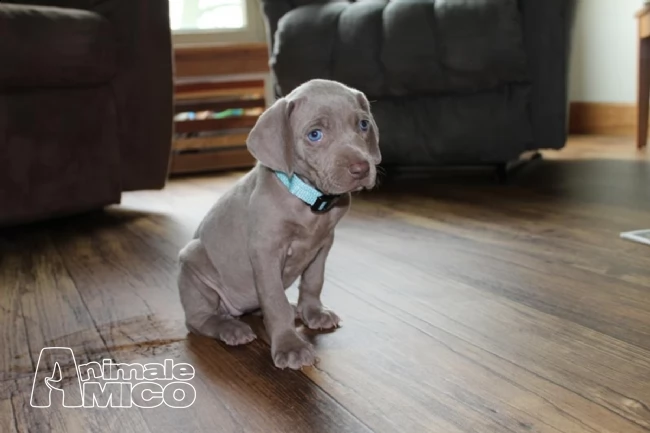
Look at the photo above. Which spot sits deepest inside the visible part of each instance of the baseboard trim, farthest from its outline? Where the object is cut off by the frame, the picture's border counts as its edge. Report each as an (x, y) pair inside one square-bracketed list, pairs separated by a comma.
[(602, 118)]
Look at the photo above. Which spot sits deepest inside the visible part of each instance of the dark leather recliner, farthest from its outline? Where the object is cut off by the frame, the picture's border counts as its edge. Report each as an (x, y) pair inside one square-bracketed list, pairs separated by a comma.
[(451, 81), (85, 103)]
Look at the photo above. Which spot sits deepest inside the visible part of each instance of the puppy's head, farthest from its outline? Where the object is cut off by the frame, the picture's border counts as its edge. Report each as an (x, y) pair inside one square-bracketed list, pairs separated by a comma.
[(324, 132)]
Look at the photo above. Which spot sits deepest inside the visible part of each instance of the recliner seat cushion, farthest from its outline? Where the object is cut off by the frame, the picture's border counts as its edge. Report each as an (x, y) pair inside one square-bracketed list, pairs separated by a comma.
[(49, 46), (402, 47)]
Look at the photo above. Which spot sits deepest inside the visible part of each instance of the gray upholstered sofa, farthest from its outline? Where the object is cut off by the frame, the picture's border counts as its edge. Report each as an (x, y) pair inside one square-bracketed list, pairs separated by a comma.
[(452, 81)]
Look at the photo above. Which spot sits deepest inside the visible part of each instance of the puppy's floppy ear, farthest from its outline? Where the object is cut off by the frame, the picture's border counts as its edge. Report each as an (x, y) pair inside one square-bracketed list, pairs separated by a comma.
[(373, 134), (271, 139)]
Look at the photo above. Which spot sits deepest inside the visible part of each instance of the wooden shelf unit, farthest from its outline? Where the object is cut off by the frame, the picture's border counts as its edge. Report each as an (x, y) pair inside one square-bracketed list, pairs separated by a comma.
[(212, 80)]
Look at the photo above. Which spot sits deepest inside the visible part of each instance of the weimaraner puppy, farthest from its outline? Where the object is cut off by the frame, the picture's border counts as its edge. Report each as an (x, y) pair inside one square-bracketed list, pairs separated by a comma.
[(313, 147)]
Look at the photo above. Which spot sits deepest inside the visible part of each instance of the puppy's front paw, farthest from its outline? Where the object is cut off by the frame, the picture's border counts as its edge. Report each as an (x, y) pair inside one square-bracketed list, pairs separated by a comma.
[(319, 318), (292, 351)]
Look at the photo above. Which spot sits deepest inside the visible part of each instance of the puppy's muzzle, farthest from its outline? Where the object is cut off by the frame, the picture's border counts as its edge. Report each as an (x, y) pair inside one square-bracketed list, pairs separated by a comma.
[(359, 170)]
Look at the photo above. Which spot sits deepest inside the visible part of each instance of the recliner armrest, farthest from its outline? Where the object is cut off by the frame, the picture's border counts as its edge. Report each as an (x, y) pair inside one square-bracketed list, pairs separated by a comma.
[(273, 10), (143, 85), (143, 88), (547, 36)]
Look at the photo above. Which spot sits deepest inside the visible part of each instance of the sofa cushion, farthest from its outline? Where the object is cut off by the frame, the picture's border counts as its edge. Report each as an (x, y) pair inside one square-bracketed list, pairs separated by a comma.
[(402, 47), (49, 46), (68, 163)]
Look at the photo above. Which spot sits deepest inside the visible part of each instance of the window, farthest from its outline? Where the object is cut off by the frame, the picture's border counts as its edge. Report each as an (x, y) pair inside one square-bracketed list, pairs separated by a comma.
[(215, 21), (207, 14)]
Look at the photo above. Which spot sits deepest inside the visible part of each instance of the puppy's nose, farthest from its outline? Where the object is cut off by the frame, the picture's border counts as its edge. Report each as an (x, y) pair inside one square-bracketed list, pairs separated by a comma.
[(359, 170)]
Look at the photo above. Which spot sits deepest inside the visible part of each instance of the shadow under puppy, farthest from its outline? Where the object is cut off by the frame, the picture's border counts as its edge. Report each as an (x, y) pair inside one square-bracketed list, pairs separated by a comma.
[(314, 147)]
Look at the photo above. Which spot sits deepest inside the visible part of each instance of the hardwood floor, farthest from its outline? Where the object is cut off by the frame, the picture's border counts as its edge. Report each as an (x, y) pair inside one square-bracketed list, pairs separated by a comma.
[(467, 306)]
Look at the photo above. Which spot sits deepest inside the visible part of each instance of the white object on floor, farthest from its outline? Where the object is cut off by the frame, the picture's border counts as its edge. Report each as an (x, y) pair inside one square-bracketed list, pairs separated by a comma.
[(641, 236)]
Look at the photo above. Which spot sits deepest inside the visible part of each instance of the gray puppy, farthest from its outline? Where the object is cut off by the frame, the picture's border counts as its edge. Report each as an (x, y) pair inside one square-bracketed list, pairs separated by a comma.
[(276, 224)]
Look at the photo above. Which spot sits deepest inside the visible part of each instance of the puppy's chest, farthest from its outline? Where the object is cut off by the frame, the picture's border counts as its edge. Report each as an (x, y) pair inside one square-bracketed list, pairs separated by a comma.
[(302, 247)]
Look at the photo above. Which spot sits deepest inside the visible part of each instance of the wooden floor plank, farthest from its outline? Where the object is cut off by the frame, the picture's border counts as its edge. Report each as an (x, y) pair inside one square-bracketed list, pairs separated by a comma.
[(499, 215), (12, 413), (535, 270), (56, 316), (488, 322), (15, 359), (447, 384)]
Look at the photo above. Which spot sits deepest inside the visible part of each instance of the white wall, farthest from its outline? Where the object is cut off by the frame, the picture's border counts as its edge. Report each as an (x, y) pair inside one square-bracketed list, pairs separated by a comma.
[(604, 57)]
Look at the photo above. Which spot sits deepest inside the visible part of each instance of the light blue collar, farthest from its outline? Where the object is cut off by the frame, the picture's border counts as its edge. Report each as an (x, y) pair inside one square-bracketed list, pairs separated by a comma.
[(318, 201)]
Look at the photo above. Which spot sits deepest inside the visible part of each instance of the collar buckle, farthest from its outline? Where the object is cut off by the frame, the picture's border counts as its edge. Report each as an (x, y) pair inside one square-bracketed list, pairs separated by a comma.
[(324, 203)]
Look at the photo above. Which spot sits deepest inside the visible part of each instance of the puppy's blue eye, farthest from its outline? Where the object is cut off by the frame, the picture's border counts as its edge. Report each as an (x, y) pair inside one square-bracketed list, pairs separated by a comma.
[(364, 125), (315, 135)]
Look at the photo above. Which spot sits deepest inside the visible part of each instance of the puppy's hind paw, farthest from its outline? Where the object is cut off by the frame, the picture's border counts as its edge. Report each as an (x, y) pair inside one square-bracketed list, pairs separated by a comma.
[(319, 318), (234, 333)]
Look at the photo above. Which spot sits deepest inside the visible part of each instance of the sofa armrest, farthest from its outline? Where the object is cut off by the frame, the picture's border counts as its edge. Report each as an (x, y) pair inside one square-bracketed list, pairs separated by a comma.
[(143, 88), (547, 34), (273, 10)]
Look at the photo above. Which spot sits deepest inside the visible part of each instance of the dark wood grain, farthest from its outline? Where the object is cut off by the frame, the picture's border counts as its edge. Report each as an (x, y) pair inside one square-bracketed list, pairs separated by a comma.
[(226, 59), (218, 159), (54, 314), (186, 126), (207, 85), (218, 105), (467, 306)]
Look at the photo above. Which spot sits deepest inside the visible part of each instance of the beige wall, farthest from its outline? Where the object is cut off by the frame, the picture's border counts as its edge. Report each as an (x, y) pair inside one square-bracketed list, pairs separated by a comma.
[(604, 57)]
